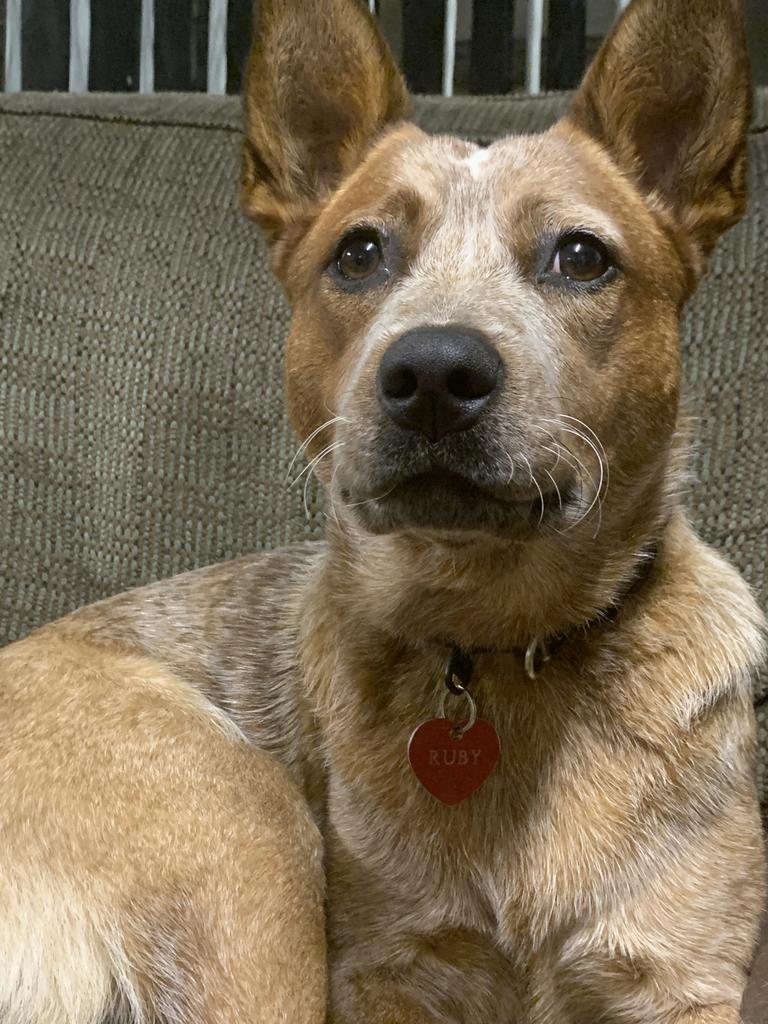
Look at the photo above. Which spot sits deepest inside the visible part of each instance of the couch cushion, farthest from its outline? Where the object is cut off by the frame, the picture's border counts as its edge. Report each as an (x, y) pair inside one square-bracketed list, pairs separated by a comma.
[(142, 429)]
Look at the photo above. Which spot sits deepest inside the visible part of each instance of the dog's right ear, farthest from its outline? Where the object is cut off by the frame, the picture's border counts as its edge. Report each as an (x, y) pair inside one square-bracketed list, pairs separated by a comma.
[(321, 86)]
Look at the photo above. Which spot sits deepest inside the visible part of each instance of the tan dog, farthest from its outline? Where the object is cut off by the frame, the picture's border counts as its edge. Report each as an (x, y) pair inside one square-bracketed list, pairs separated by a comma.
[(203, 779)]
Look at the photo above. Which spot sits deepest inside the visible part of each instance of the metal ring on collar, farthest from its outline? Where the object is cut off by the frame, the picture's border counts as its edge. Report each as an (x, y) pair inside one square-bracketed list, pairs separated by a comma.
[(536, 656), (466, 724)]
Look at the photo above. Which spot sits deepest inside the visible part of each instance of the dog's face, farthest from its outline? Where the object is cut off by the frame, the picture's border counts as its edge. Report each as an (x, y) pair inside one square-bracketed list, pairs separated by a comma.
[(476, 312), (480, 334)]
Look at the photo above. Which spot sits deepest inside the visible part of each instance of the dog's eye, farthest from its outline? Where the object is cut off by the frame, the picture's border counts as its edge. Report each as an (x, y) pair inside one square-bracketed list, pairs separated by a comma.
[(359, 256), (581, 258)]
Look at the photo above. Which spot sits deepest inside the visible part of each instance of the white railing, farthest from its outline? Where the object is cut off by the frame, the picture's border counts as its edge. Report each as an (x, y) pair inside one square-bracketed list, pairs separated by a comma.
[(449, 45), (147, 47), (217, 46), (80, 30), (79, 44), (533, 50), (13, 45)]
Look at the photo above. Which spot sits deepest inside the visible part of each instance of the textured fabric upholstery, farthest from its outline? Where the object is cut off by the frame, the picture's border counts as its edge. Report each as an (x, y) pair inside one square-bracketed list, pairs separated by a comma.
[(142, 429)]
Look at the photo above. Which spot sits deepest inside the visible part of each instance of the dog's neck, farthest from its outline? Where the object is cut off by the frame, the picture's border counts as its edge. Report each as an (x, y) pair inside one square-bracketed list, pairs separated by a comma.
[(481, 593)]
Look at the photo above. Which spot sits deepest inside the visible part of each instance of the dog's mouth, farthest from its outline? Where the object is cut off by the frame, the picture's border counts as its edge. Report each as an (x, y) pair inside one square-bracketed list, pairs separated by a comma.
[(445, 500)]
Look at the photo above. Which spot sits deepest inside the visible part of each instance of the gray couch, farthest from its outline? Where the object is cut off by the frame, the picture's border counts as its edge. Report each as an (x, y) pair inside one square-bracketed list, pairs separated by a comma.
[(142, 429)]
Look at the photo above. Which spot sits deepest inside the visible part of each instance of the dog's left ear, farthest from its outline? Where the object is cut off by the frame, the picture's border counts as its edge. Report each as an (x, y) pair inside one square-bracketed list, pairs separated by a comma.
[(669, 96), (321, 86)]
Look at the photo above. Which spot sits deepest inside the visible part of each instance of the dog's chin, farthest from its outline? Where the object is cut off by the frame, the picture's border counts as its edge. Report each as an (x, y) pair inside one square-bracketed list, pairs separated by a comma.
[(450, 504)]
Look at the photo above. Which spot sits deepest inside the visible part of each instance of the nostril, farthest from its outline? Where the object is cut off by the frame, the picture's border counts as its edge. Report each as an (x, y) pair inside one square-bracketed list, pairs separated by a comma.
[(437, 380), (400, 382), (467, 383)]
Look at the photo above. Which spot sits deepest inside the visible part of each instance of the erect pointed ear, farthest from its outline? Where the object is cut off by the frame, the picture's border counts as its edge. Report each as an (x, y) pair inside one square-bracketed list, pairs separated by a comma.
[(321, 86), (669, 96)]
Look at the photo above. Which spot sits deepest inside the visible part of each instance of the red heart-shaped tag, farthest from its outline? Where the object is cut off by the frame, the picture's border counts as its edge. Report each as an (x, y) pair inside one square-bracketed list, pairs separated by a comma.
[(452, 768)]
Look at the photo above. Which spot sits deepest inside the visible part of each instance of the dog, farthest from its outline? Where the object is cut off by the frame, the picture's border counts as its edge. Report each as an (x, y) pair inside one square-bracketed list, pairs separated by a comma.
[(486, 753)]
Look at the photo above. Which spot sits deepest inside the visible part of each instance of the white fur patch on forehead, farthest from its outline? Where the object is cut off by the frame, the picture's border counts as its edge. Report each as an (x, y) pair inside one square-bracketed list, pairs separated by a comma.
[(510, 153), (439, 166), (538, 172), (477, 160), (429, 157)]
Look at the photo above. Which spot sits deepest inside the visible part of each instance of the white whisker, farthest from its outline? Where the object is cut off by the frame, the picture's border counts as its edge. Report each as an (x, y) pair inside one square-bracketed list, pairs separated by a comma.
[(330, 496), (563, 453), (597, 441), (368, 501), (314, 462), (598, 450), (557, 489), (312, 465), (579, 466), (308, 440), (535, 482), (553, 451), (597, 498)]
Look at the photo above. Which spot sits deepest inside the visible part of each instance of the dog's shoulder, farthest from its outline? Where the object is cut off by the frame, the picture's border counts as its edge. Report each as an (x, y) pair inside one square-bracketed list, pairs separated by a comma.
[(706, 600), (694, 645), (230, 630), (252, 591)]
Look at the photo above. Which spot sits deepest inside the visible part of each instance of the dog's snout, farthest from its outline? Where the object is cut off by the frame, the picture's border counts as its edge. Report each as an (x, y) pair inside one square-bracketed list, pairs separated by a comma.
[(438, 380)]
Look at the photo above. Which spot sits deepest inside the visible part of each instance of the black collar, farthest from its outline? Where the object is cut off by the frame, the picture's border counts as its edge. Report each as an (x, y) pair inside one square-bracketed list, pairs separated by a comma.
[(460, 664)]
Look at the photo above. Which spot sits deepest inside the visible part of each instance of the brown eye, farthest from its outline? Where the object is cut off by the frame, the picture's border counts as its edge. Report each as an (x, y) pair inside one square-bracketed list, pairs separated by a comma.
[(581, 259), (359, 256)]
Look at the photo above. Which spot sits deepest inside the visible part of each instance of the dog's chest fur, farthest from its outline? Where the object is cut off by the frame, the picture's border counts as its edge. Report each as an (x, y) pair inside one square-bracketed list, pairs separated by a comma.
[(606, 759)]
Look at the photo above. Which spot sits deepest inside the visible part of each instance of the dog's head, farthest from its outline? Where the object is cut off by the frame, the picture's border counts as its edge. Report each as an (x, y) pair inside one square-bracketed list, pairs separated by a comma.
[(480, 334)]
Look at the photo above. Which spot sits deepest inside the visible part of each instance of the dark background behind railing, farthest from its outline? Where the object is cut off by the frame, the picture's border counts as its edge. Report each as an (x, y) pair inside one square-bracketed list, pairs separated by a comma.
[(491, 61)]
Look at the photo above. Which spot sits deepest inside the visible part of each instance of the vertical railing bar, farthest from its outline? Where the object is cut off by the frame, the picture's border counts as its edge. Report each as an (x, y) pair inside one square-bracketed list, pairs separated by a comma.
[(217, 47), (147, 47), (449, 45), (535, 39), (623, 3), (79, 44), (13, 46), (372, 6)]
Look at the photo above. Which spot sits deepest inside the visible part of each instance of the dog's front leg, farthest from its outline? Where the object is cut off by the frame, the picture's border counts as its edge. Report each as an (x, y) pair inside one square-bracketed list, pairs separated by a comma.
[(636, 986), (453, 976), (375, 999), (710, 1015), (559, 1001)]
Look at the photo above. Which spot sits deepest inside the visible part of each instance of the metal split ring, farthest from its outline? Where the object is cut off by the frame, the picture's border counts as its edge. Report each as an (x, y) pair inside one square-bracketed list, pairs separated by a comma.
[(465, 724), (458, 671), (536, 657)]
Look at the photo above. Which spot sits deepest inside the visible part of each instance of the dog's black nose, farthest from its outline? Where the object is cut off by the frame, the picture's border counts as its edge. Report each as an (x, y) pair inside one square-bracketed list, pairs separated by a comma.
[(438, 379)]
